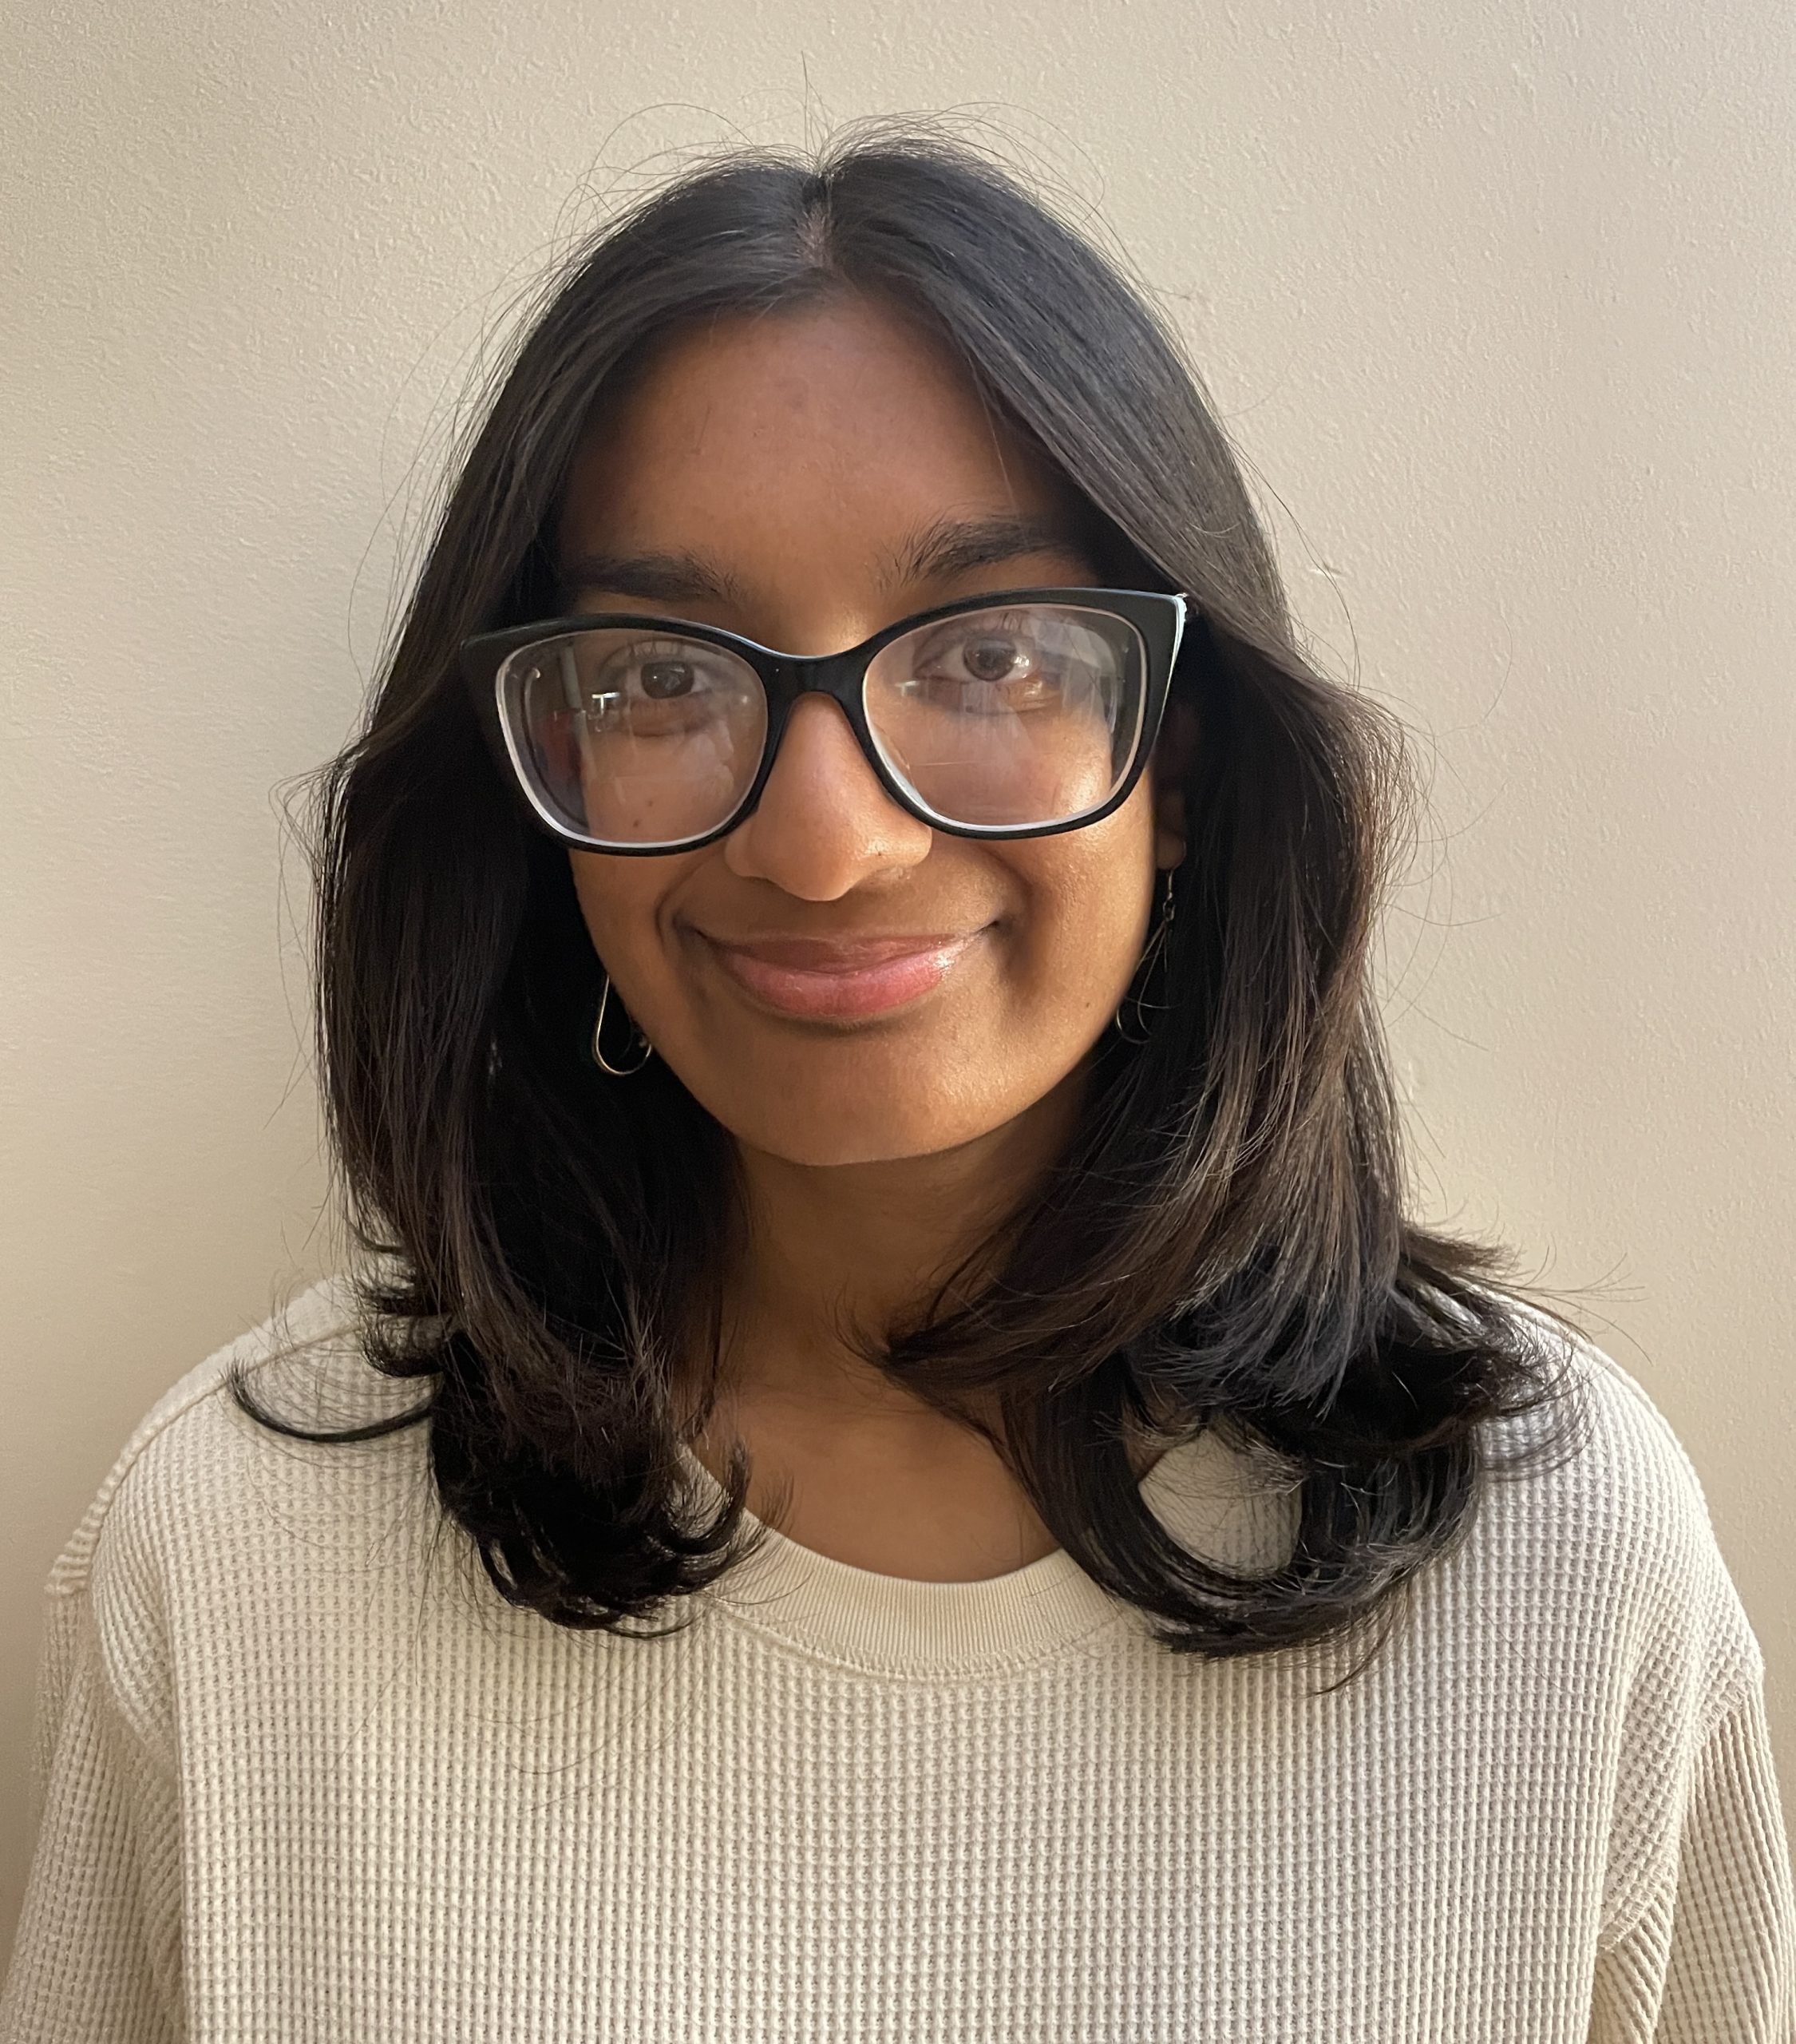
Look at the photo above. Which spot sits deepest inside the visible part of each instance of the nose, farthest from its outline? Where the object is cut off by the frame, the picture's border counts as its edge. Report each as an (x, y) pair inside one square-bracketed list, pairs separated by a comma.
[(824, 823)]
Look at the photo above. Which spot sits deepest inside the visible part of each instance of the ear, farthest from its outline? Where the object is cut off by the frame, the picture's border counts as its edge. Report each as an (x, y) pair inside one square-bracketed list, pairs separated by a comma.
[(1175, 751)]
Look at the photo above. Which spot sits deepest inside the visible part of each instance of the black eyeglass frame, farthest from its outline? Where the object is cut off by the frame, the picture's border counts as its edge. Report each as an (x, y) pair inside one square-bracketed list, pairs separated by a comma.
[(1158, 617)]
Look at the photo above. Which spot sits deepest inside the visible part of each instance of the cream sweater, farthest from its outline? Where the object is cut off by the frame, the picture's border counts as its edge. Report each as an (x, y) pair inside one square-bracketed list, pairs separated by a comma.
[(306, 1777)]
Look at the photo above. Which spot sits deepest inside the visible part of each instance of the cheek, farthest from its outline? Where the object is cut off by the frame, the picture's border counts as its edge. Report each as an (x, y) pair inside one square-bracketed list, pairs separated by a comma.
[(619, 904), (1088, 898)]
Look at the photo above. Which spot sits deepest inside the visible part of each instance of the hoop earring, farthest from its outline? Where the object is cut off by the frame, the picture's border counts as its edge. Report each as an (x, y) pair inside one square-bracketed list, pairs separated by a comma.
[(636, 1036), (1153, 953)]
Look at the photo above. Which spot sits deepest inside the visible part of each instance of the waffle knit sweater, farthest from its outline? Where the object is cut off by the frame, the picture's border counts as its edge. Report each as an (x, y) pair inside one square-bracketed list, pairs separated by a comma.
[(305, 1775)]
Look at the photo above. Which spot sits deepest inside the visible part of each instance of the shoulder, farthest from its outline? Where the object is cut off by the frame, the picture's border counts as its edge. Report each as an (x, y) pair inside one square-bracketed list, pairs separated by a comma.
[(1604, 1519), (196, 1459)]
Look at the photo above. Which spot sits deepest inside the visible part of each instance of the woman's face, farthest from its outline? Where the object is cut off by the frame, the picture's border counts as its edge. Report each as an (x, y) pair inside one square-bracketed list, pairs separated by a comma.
[(780, 470)]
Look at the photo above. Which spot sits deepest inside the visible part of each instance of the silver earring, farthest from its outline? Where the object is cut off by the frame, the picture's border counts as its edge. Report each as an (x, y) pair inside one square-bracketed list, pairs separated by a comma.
[(1154, 951), (636, 1036)]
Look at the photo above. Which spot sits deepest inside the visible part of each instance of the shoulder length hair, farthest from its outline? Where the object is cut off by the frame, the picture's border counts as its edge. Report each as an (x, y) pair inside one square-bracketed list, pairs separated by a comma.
[(1223, 1244)]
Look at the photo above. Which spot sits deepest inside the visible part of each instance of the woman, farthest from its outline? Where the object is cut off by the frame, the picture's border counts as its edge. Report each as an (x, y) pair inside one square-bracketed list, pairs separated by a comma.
[(844, 996)]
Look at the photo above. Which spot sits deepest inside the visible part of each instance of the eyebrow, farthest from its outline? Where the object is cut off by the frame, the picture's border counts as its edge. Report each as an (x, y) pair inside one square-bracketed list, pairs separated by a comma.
[(945, 547), (951, 546), (668, 578)]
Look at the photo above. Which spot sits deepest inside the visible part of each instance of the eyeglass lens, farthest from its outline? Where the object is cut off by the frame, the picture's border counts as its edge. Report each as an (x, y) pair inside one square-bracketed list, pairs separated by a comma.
[(1019, 715)]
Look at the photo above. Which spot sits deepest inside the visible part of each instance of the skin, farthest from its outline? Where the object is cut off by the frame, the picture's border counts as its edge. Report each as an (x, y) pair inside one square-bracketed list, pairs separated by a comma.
[(795, 455)]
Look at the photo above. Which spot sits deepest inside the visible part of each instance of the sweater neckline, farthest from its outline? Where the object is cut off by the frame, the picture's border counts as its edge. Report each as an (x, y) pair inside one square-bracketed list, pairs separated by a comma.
[(902, 1626)]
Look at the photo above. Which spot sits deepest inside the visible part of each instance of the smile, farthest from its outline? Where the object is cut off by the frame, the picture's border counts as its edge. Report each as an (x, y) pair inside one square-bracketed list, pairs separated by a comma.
[(813, 977)]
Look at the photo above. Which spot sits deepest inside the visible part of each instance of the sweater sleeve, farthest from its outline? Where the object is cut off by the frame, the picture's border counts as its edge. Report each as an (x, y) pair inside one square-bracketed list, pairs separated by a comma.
[(1712, 1951), (98, 1956)]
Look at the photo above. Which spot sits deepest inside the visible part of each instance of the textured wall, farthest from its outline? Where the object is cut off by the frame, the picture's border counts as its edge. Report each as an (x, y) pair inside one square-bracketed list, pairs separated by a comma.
[(1499, 301)]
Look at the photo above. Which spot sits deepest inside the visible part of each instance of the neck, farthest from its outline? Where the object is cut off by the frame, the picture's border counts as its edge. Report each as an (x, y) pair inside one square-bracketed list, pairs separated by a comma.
[(827, 1250), (845, 1461)]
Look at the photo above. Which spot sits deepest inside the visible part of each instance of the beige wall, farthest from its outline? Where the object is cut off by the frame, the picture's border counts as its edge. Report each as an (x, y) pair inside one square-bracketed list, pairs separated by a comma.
[(1499, 301)]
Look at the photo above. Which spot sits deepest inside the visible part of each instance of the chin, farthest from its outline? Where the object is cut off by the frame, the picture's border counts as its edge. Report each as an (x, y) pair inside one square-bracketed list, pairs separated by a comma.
[(806, 1134), (818, 1110)]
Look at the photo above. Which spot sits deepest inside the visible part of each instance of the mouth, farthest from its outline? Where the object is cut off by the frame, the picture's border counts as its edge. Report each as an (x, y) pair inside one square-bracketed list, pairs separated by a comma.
[(816, 977)]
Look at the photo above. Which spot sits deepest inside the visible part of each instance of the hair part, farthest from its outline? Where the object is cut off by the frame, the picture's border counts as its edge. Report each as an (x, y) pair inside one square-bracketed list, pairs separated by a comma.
[(1225, 1243)]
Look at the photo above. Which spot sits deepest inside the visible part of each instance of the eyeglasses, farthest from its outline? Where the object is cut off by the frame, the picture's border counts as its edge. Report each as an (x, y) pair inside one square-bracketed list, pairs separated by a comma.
[(1016, 713)]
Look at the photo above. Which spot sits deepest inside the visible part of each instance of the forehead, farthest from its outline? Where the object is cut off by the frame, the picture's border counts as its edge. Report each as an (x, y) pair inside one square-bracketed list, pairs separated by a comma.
[(811, 440)]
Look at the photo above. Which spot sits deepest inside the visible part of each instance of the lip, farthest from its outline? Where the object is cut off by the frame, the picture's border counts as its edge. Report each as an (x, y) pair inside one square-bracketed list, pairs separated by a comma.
[(819, 976)]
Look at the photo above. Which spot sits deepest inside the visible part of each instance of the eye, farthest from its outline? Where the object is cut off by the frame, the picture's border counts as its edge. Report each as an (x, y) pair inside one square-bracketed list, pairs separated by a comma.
[(990, 656), (657, 670), (1003, 661), (660, 685), (660, 679)]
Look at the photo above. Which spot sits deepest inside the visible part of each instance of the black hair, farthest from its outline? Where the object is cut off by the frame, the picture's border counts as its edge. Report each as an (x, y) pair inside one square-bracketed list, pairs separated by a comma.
[(1225, 1241)]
